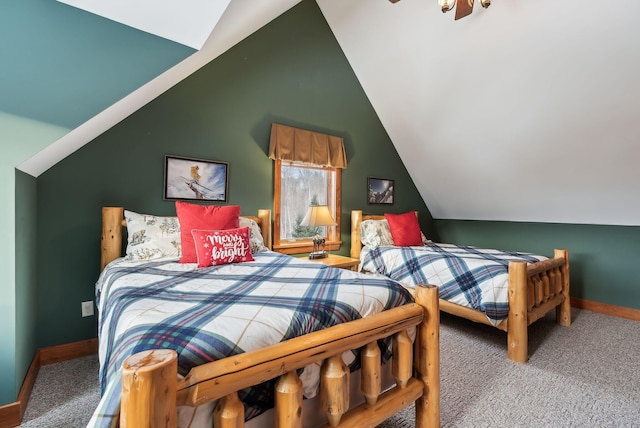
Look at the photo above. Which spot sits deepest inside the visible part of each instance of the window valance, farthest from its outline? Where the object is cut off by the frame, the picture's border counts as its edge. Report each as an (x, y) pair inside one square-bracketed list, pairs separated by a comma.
[(302, 145)]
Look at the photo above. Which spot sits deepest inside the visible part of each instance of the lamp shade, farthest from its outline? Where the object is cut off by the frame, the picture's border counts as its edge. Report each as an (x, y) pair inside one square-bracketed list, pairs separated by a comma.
[(318, 215)]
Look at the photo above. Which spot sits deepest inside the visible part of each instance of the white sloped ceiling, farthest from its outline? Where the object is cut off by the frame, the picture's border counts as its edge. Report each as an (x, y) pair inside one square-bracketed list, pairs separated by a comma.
[(525, 111)]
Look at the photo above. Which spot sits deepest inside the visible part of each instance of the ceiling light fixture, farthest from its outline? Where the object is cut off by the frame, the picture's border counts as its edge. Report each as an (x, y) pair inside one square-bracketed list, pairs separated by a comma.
[(464, 7)]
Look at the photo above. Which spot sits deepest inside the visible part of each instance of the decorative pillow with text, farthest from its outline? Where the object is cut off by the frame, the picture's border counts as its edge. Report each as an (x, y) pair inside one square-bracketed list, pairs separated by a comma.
[(217, 247), (203, 217)]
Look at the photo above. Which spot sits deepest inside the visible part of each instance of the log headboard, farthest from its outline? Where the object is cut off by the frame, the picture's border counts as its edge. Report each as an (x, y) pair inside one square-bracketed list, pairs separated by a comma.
[(113, 223)]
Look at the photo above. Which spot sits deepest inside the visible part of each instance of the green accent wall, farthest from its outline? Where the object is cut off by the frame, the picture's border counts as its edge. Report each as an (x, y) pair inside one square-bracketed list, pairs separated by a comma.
[(26, 273), (291, 71), (603, 258), (20, 138), (60, 67), (8, 390)]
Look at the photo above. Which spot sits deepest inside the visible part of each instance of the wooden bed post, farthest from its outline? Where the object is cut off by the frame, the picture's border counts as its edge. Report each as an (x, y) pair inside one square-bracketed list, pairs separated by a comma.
[(427, 357), (265, 227), (149, 389), (517, 338), (356, 245), (111, 245), (563, 311)]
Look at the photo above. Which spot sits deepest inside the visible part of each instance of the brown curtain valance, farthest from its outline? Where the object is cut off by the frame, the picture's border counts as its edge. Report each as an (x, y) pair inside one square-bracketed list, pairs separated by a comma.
[(302, 145)]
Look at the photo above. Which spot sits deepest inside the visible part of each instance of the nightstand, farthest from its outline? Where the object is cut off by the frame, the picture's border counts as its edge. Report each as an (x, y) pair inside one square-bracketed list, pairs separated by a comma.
[(337, 261)]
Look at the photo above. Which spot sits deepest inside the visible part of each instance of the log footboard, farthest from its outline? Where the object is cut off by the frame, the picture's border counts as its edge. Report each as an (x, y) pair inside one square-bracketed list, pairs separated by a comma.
[(534, 290), (152, 391)]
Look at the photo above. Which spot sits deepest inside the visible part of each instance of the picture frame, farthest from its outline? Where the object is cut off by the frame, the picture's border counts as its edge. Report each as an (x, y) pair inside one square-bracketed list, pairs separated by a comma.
[(195, 179), (380, 191)]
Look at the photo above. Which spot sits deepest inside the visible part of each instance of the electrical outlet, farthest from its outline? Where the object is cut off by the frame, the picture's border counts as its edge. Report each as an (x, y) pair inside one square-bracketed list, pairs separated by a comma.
[(87, 308)]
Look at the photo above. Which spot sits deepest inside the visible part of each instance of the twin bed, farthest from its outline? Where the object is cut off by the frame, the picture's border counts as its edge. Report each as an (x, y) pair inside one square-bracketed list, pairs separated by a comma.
[(188, 346), (507, 290)]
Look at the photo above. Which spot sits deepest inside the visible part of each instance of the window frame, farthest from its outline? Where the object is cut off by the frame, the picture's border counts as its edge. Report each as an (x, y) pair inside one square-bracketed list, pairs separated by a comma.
[(332, 240)]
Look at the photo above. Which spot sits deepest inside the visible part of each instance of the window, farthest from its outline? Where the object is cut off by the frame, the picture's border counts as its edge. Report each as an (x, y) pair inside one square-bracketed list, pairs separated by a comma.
[(298, 185), (307, 171)]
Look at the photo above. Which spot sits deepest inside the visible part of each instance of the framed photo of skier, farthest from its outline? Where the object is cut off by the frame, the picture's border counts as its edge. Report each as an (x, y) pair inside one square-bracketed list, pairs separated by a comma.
[(195, 179)]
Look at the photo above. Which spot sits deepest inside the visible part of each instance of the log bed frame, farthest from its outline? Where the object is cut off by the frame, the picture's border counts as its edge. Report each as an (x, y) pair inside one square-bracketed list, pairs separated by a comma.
[(152, 390), (534, 289)]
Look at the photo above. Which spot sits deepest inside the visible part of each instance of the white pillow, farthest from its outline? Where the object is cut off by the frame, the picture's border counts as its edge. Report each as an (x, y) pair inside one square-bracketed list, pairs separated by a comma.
[(255, 235), (376, 233), (151, 237)]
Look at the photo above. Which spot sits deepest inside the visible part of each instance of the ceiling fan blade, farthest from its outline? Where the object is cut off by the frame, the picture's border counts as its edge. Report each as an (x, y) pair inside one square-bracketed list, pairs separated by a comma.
[(463, 8)]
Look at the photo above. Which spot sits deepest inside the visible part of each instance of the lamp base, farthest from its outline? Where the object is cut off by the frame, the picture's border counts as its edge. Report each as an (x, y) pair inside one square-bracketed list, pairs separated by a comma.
[(318, 255)]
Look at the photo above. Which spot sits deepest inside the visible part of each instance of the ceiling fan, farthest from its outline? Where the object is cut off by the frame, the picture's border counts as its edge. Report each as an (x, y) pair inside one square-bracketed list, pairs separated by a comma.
[(464, 7)]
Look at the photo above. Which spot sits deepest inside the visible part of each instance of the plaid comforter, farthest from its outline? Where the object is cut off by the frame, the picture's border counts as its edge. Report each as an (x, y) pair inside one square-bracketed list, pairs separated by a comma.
[(211, 313), (469, 276)]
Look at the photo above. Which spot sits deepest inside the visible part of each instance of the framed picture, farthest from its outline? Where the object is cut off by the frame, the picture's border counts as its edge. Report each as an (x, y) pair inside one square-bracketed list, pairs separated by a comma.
[(379, 191), (195, 179)]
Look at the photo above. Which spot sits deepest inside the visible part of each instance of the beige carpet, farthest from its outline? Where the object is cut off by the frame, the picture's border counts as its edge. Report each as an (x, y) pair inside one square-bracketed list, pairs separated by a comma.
[(586, 375)]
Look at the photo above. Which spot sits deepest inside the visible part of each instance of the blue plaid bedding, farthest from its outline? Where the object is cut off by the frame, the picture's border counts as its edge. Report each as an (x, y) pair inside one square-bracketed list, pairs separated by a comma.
[(468, 276), (211, 313)]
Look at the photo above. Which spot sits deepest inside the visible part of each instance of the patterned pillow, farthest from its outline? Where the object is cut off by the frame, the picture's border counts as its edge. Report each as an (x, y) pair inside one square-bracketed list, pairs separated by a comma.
[(151, 237), (376, 233), (255, 235), (217, 247)]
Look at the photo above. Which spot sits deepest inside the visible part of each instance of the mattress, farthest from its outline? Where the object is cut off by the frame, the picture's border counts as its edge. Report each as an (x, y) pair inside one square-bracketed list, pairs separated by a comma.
[(468, 276)]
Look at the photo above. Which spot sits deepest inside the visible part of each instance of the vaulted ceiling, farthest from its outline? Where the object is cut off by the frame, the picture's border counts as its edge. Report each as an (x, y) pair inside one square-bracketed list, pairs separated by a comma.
[(525, 111)]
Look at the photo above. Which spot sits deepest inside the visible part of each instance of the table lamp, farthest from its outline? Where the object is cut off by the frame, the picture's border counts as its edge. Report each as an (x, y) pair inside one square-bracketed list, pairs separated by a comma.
[(318, 216)]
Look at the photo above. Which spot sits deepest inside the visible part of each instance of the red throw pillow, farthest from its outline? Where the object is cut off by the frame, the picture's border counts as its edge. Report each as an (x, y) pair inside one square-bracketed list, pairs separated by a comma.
[(217, 247), (205, 217), (405, 229)]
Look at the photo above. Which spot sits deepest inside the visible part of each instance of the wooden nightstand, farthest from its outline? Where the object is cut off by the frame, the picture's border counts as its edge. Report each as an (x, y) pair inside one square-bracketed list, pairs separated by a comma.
[(337, 261)]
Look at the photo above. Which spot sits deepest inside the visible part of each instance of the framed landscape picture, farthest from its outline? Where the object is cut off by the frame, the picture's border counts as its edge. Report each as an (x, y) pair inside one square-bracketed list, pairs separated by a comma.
[(195, 179), (379, 191)]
